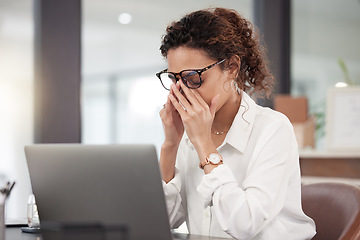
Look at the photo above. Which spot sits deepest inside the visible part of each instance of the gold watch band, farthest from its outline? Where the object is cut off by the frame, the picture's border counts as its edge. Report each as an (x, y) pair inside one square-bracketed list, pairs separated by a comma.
[(208, 162)]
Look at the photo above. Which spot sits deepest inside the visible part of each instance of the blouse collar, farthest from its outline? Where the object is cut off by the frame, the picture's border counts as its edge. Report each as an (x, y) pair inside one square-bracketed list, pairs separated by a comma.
[(240, 130)]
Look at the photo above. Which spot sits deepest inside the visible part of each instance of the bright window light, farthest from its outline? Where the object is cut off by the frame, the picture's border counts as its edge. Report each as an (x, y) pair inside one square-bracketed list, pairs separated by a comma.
[(341, 84), (124, 18), (146, 97)]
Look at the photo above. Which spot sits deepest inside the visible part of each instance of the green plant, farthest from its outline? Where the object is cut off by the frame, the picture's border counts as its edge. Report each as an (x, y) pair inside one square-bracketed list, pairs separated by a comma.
[(319, 112), (345, 71)]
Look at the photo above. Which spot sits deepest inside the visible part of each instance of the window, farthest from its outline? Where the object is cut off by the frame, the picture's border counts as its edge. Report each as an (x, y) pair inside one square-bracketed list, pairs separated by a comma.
[(16, 97), (323, 32), (121, 94)]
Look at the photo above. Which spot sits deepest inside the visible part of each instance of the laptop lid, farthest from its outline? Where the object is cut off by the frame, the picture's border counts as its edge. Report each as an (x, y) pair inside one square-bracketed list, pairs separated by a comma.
[(111, 186)]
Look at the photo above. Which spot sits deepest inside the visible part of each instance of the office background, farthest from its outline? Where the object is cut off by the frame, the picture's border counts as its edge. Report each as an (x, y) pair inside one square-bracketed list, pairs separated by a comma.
[(119, 94)]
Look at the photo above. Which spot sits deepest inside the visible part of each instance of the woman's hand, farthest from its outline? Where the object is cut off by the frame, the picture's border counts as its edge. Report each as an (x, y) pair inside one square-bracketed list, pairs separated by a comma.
[(197, 117), (172, 124)]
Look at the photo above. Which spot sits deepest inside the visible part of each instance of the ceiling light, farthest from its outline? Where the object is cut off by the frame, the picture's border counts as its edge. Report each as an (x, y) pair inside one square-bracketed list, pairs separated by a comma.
[(124, 18), (341, 84)]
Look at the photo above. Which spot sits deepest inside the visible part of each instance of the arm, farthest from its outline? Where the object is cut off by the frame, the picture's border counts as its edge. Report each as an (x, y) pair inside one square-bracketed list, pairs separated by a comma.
[(243, 210), (197, 118), (173, 129), (167, 161), (174, 194)]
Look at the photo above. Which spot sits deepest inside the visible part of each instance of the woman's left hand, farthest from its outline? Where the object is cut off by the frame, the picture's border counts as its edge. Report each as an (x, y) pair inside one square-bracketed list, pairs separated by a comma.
[(197, 116)]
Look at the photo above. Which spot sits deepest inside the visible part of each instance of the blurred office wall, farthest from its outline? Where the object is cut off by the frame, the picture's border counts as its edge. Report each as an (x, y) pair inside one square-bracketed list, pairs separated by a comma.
[(16, 97), (125, 58), (121, 94), (322, 33)]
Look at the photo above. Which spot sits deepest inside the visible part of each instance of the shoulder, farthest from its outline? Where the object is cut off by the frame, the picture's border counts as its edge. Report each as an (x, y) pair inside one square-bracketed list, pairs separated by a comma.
[(271, 118), (263, 116), (271, 125), (274, 134), (263, 120)]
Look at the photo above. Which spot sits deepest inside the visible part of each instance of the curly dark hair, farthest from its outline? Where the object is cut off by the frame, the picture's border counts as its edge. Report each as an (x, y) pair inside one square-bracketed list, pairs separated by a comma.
[(222, 34)]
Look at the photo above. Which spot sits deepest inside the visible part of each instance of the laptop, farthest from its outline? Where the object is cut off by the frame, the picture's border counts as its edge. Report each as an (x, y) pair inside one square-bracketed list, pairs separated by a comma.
[(98, 191)]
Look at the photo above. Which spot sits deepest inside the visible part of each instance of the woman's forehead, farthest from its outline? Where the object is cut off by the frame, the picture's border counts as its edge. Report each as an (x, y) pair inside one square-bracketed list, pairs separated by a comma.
[(182, 58)]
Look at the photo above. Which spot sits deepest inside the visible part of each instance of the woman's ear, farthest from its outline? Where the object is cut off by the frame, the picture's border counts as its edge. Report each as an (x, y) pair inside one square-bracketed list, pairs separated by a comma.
[(234, 66)]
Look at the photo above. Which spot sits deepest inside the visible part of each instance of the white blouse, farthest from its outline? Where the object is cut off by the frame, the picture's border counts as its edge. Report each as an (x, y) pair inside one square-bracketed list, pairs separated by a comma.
[(255, 194)]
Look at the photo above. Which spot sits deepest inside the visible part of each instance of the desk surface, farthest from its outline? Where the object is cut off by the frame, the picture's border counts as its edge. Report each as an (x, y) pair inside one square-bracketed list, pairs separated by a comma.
[(331, 166), (14, 233), (311, 153)]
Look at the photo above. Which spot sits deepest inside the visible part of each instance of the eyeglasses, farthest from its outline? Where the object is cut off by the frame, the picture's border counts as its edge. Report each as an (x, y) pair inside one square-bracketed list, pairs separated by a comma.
[(191, 78)]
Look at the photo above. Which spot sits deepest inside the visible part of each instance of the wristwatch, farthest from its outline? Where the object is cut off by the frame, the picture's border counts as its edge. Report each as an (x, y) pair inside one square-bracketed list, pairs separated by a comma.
[(213, 159)]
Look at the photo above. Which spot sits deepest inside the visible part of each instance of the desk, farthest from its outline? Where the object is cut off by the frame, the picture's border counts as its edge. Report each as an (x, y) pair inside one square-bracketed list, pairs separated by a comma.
[(14, 233), (331, 166)]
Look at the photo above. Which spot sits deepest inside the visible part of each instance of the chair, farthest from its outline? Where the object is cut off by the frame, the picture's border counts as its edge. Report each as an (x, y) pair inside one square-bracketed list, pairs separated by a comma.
[(335, 208)]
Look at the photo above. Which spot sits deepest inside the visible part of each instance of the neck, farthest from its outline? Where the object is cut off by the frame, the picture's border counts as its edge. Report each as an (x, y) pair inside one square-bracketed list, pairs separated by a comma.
[(224, 117)]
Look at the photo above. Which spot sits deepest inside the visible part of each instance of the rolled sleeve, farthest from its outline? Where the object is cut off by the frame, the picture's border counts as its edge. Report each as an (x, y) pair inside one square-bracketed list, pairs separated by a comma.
[(210, 182), (173, 200), (174, 185)]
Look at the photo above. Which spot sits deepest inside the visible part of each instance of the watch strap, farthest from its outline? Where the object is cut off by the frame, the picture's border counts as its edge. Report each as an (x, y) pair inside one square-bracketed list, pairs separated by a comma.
[(208, 162)]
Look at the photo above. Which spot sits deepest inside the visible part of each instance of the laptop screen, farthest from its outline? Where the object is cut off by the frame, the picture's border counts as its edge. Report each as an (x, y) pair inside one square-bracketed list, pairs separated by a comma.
[(109, 187)]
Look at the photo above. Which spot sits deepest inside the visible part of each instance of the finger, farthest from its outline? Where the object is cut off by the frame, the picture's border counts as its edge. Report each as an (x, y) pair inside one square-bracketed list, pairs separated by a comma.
[(177, 105), (168, 108), (169, 105), (200, 99), (183, 101), (188, 93), (167, 113), (165, 108), (213, 104)]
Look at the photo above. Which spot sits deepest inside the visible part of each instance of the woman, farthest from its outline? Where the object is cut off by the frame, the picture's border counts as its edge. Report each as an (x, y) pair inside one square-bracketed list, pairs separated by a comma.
[(230, 167)]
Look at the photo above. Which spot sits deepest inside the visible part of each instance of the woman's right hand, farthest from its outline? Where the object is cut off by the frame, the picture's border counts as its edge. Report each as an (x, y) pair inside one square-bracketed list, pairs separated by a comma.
[(174, 130), (172, 124)]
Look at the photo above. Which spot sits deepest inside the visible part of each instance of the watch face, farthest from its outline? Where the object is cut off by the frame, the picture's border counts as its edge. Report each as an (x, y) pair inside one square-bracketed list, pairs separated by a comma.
[(214, 158)]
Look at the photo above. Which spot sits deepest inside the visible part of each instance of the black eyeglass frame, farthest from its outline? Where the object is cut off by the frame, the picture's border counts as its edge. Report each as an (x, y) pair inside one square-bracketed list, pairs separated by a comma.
[(198, 71)]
